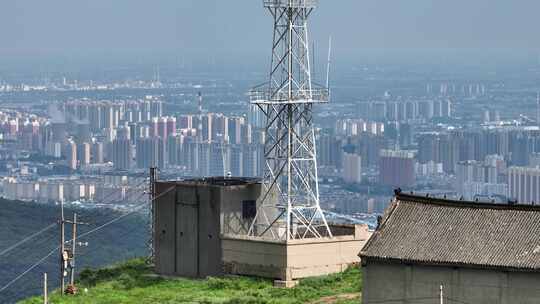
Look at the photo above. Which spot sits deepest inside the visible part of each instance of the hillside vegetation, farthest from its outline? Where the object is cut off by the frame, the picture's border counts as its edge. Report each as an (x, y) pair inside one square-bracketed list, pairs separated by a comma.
[(133, 282)]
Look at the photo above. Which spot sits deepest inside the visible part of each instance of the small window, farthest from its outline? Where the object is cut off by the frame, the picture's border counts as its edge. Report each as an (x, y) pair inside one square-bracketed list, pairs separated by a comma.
[(249, 209)]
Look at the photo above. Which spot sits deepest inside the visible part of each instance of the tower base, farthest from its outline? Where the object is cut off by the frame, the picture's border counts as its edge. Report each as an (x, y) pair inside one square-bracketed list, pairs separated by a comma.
[(287, 261)]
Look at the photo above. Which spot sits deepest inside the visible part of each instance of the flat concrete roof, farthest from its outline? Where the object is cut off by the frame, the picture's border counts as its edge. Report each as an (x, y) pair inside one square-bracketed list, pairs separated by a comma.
[(216, 181)]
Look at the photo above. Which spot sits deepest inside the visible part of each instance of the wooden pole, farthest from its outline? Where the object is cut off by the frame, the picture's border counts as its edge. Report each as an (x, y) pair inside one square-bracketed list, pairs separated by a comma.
[(73, 246)]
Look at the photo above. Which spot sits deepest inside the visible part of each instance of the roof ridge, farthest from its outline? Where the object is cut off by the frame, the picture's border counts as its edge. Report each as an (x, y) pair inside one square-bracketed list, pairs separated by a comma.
[(411, 198)]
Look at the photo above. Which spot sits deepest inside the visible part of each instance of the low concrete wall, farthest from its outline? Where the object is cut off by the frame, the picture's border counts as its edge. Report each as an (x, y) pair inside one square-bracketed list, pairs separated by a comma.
[(254, 258), (294, 259)]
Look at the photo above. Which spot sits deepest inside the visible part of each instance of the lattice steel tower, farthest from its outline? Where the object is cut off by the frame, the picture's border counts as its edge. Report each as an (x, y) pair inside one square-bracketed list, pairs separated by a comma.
[(289, 208)]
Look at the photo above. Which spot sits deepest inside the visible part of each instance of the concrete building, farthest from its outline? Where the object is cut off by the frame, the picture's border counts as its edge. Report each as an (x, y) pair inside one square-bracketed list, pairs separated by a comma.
[(352, 168), (191, 216), (71, 155), (201, 230), (396, 168), (20, 190), (97, 153), (476, 253), (150, 152), (85, 153), (51, 191), (122, 154), (524, 184)]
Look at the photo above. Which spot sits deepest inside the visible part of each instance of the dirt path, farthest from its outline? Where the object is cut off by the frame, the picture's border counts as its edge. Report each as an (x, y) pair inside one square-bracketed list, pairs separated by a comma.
[(336, 298)]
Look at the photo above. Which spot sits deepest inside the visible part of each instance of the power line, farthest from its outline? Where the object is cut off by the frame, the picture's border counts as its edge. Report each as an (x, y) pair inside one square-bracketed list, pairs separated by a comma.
[(133, 199), (136, 208), (14, 246), (29, 269), (26, 239), (114, 195), (114, 220)]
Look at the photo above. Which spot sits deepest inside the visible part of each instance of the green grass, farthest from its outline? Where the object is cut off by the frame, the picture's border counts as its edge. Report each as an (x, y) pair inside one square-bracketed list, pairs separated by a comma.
[(132, 282)]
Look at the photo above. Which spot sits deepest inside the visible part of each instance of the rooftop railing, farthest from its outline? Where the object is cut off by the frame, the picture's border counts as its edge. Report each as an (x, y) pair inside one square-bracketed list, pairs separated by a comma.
[(266, 96), (291, 3)]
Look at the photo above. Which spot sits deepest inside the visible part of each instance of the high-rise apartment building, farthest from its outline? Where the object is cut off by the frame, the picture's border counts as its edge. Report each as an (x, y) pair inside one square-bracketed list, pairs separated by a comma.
[(396, 168), (150, 153), (122, 154), (352, 168), (71, 154), (524, 184)]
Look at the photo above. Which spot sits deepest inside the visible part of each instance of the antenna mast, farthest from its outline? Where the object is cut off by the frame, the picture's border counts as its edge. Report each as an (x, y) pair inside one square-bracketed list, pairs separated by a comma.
[(328, 64), (290, 207)]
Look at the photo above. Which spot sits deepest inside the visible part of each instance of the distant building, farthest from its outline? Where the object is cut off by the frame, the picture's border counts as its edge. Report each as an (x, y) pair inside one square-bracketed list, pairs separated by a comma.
[(329, 151), (85, 153), (256, 117), (97, 153), (396, 168), (53, 149), (71, 155), (428, 169), (524, 184), (122, 154), (476, 253), (150, 153), (352, 168)]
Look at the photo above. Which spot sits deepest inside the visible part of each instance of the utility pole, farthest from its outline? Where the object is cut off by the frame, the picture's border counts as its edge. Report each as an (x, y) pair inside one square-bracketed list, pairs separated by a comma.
[(73, 246), (441, 294), (67, 255), (70, 254), (63, 257), (45, 291)]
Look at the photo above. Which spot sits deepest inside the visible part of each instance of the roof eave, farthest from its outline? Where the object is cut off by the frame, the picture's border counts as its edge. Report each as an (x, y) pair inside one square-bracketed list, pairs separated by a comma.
[(366, 259)]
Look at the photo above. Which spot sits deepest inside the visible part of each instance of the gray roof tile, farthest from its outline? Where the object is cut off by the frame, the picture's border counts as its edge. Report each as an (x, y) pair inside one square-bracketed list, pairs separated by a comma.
[(433, 231)]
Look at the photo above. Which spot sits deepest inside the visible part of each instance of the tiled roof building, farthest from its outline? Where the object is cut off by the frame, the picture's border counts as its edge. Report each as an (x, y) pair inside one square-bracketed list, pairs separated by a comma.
[(478, 253)]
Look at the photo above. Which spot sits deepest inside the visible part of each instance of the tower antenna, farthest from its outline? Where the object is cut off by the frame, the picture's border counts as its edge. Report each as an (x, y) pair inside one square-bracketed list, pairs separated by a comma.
[(313, 72), (328, 65), (289, 206)]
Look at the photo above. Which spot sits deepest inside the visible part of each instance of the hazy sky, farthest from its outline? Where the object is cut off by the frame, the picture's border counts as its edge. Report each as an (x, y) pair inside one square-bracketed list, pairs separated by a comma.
[(70, 26)]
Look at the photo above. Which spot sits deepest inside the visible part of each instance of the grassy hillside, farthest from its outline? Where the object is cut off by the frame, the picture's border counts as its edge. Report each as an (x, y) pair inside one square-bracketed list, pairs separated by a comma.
[(133, 282)]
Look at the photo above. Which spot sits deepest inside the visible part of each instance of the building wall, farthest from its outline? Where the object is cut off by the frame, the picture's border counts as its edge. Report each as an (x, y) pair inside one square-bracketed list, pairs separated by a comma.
[(189, 222), (294, 259), (232, 198), (396, 168), (400, 284), (165, 230), (524, 184), (187, 228), (352, 168)]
